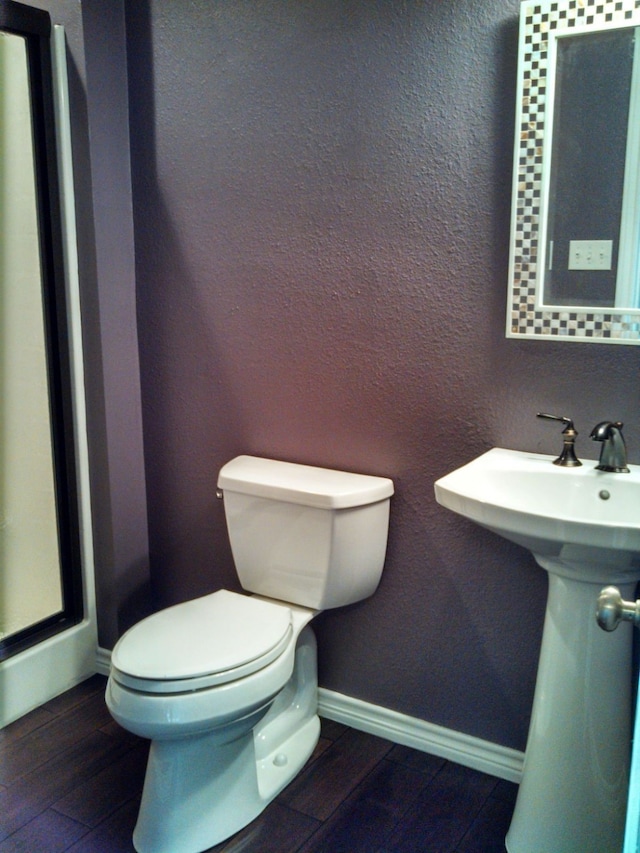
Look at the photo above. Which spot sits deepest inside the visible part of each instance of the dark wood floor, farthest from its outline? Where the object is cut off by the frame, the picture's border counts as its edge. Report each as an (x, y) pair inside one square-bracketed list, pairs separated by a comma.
[(70, 780)]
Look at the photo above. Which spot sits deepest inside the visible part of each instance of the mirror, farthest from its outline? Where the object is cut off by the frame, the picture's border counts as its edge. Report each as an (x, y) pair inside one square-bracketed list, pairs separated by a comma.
[(574, 270)]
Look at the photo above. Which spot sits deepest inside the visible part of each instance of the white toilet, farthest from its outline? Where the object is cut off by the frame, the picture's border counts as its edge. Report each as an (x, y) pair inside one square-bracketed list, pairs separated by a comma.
[(225, 686)]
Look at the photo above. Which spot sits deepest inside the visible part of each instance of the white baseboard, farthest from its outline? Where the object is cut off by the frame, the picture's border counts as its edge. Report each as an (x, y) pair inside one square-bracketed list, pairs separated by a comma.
[(482, 755), (500, 761), (103, 661)]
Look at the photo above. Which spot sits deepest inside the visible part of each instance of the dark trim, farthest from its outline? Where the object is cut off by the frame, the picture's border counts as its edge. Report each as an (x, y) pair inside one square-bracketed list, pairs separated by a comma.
[(33, 634), (24, 20)]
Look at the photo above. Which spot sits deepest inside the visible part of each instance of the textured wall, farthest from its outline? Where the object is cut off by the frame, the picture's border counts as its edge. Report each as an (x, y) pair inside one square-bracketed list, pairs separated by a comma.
[(321, 202), (115, 425)]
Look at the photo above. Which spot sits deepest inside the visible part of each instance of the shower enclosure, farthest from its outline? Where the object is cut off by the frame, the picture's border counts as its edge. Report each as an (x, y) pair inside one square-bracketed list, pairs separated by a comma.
[(47, 615), (30, 582)]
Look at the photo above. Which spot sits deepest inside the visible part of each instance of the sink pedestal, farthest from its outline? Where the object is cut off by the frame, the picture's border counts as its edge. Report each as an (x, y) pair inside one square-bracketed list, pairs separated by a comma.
[(582, 525), (572, 798)]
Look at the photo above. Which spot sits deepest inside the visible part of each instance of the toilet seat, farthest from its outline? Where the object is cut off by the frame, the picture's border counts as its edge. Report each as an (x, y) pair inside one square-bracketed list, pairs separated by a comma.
[(202, 643)]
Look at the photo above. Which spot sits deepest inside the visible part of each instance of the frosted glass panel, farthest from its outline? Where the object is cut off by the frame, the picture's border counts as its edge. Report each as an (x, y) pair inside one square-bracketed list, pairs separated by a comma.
[(30, 583)]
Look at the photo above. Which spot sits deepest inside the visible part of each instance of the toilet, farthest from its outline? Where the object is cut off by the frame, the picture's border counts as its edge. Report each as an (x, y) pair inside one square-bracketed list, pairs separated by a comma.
[(225, 686)]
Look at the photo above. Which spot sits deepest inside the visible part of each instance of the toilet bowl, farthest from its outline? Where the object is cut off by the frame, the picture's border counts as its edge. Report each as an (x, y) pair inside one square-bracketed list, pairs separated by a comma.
[(217, 737), (225, 686)]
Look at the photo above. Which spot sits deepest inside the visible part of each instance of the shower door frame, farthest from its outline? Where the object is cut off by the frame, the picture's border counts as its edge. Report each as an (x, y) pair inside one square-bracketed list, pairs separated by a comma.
[(47, 658)]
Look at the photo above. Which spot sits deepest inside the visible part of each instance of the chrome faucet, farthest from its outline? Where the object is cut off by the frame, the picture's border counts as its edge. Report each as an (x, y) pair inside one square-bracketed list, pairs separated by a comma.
[(613, 453)]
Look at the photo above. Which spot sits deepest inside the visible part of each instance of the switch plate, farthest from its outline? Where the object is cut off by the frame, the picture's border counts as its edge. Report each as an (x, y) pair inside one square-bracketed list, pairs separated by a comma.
[(590, 254)]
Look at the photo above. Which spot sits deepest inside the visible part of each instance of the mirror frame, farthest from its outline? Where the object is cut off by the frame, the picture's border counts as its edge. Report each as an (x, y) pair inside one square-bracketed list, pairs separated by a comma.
[(34, 25), (527, 315)]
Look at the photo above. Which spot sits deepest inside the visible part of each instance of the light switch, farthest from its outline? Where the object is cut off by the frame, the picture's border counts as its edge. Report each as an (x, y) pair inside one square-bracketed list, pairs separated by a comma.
[(590, 254)]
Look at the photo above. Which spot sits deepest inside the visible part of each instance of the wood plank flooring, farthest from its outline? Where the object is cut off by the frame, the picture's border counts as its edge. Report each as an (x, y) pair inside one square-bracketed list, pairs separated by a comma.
[(71, 779)]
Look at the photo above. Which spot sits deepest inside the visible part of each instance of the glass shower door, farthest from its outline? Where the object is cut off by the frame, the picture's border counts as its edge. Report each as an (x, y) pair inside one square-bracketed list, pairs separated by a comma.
[(30, 577)]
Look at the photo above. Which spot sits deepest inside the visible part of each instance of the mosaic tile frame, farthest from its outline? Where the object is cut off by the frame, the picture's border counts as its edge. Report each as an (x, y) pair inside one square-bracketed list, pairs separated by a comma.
[(525, 318)]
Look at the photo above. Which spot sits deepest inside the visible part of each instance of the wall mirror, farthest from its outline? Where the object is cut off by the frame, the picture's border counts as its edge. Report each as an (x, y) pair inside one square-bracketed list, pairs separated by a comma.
[(574, 271)]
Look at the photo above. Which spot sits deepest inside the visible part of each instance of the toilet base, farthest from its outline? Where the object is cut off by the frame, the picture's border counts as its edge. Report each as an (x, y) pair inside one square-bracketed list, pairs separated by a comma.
[(199, 791)]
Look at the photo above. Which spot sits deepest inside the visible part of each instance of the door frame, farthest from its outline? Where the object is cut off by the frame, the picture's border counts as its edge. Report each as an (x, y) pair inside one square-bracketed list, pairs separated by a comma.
[(37, 674)]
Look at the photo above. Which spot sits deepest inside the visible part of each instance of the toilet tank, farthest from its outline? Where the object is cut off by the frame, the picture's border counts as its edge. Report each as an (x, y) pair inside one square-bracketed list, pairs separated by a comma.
[(309, 536)]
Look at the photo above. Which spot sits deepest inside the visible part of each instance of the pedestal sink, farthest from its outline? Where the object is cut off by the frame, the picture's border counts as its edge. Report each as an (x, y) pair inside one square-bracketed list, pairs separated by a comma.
[(583, 528)]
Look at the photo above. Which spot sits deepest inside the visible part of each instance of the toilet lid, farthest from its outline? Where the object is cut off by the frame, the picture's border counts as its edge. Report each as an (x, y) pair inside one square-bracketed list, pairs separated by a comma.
[(222, 636)]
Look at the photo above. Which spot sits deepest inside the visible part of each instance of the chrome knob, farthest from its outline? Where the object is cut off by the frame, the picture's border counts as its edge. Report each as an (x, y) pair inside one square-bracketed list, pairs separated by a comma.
[(611, 609)]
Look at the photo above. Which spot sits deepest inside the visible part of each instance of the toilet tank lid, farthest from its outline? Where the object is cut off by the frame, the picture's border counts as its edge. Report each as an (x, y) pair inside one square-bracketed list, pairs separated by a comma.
[(302, 484)]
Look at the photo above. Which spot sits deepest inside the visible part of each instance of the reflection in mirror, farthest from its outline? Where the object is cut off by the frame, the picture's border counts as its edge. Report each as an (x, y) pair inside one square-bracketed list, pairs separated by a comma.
[(590, 121), (574, 272)]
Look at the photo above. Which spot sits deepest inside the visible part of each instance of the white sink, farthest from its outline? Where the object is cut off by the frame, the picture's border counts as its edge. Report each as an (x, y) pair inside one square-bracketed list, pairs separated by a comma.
[(583, 527), (588, 520)]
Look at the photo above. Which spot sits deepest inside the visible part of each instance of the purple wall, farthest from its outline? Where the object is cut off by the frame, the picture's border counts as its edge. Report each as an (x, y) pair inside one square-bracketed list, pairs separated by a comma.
[(118, 483), (321, 203)]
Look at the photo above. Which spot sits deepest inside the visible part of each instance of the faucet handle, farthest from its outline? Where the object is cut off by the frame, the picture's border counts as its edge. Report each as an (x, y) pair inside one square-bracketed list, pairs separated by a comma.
[(562, 418), (567, 458)]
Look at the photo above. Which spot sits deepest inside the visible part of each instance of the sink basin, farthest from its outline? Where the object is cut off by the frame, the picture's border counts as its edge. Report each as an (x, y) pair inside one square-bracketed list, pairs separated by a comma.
[(583, 527), (588, 520)]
